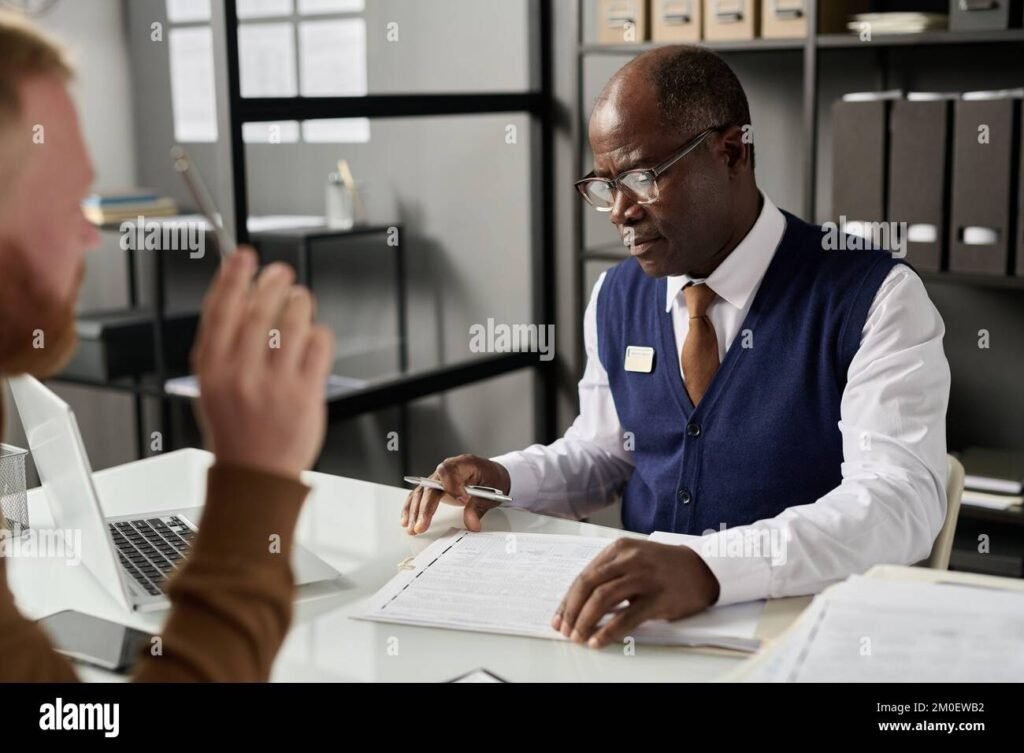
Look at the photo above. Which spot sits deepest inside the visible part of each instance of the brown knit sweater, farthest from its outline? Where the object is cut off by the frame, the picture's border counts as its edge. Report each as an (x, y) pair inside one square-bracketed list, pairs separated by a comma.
[(231, 600)]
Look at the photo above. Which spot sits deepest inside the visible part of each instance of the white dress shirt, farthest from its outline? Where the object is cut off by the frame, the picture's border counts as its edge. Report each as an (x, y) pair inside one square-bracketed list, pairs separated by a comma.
[(891, 502)]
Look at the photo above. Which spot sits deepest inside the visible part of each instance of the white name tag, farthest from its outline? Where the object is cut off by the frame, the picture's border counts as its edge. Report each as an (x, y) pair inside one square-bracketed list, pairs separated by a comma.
[(639, 359)]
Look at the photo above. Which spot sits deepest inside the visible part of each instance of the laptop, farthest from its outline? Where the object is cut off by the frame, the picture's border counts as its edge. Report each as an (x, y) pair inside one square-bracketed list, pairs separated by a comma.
[(132, 557)]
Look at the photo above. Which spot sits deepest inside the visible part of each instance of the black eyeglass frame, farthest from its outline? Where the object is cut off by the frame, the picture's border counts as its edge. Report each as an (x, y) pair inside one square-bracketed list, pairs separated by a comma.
[(655, 172)]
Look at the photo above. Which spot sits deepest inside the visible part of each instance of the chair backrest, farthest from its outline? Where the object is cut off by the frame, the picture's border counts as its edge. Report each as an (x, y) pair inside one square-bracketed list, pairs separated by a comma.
[(943, 546)]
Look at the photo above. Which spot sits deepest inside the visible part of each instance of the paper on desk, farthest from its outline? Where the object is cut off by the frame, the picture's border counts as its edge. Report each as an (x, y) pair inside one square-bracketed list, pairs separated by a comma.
[(512, 583), (869, 630)]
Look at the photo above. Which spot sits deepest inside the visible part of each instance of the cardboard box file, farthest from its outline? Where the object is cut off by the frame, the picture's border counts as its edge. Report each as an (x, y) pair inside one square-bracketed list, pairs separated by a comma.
[(726, 20), (622, 21), (676, 20)]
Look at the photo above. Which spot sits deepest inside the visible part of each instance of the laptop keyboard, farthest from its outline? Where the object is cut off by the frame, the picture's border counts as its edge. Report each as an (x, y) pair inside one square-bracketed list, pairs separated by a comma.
[(151, 549)]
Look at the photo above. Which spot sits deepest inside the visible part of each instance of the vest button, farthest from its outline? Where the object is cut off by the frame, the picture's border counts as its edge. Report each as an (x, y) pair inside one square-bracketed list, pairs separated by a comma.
[(685, 496), (693, 430)]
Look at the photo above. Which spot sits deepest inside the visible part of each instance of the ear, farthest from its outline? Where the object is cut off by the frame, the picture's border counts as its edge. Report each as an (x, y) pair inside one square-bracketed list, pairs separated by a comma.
[(734, 147)]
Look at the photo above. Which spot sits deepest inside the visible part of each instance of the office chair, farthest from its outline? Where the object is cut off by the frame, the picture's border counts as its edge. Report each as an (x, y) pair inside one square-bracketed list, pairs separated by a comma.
[(939, 558)]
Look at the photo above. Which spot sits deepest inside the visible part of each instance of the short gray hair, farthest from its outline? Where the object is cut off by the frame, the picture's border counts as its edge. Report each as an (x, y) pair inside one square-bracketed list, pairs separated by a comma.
[(696, 89)]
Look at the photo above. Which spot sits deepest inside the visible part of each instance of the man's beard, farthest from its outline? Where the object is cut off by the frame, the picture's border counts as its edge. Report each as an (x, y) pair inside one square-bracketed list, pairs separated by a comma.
[(37, 333)]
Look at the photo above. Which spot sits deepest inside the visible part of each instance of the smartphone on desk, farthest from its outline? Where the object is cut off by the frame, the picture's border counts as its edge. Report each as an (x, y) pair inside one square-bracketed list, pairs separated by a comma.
[(97, 642)]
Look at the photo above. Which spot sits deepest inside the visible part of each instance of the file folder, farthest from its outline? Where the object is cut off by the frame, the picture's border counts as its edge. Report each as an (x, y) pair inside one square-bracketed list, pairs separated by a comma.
[(984, 206), (676, 20), (621, 21), (860, 146), (726, 20), (919, 132), (783, 19)]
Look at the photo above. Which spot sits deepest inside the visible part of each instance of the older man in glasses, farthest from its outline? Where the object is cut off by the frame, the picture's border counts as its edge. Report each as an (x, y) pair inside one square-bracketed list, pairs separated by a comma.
[(745, 384)]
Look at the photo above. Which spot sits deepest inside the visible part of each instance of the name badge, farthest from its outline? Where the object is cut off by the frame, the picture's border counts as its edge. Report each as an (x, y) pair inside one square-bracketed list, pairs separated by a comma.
[(639, 359)]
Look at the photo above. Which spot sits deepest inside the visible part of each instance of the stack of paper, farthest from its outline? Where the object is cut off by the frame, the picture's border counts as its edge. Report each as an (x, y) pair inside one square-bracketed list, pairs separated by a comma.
[(994, 478), (898, 23), (513, 582), (871, 630)]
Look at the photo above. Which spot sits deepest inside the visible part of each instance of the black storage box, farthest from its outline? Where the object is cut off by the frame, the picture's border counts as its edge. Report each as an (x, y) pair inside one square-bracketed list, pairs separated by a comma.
[(984, 15), (119, 342)]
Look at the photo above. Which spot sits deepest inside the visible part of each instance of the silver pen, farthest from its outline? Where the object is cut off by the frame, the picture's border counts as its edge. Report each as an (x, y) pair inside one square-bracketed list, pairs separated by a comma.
[(204, 202), (483, 492)]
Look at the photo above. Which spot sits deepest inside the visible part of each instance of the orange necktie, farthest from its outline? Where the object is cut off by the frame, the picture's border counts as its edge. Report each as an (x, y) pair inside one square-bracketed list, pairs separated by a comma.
[(700, 351)]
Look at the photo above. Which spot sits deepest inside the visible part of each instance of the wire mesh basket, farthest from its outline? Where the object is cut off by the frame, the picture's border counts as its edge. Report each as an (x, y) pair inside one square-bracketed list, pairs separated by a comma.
[(13, 498)]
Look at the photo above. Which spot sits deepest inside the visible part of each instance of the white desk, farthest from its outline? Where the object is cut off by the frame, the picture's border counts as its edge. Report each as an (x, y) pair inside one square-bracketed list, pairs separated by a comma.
[(354, 526)]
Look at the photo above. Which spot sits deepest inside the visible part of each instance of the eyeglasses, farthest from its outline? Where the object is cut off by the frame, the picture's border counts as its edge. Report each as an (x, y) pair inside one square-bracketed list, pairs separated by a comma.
[(640, 184)]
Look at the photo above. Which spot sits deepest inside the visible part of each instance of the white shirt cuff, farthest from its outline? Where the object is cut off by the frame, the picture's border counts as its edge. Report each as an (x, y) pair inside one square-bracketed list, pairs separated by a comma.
[(742, 575), (524, 486)]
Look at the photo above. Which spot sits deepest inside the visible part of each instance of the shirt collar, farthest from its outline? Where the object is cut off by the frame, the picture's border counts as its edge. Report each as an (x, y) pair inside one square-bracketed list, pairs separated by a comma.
[(738, 276)]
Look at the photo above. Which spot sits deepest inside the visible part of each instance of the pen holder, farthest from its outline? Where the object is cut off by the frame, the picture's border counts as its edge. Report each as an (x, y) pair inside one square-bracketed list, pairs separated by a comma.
[(13, 498), (341, 212)]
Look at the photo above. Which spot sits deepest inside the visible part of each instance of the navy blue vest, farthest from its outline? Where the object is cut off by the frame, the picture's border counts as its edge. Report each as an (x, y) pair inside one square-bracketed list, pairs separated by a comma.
[(765, 436)]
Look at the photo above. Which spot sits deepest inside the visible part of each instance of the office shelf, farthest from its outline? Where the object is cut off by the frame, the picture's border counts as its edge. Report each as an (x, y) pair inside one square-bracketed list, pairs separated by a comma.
[(252, 110), (1005, 282), (752, 45), (924, 39), (1013, 516), (538, 103), (823, 41)]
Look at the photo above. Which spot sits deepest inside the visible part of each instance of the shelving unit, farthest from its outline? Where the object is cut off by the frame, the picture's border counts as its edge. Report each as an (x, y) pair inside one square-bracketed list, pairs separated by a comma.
[(811, 47), (538, 104)]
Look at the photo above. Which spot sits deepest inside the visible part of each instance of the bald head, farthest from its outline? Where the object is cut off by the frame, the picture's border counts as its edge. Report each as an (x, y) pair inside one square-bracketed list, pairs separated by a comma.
[(684, 88)]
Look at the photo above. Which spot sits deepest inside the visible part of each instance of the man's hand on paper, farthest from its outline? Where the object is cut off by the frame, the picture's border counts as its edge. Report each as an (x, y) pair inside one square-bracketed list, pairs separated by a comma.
[(455, 474), (262, 365), (658, 580)]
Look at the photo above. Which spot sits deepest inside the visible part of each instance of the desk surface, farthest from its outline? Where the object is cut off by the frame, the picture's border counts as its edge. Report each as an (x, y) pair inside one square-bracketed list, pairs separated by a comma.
[(353, 525)]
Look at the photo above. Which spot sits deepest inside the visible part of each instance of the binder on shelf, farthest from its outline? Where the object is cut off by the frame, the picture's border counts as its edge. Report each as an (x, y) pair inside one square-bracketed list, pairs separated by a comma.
[(982, 223), (859, 161), (984, 15), (728, 20), (919, 133), (621, 21), (676, 20)]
